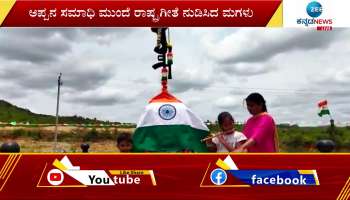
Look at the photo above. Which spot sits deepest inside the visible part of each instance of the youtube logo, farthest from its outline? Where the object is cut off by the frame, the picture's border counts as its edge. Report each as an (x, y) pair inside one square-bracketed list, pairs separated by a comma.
[(55, 177)]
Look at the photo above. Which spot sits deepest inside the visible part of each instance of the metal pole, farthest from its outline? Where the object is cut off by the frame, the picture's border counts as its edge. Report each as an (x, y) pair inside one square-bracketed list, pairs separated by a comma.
[(59, 83)]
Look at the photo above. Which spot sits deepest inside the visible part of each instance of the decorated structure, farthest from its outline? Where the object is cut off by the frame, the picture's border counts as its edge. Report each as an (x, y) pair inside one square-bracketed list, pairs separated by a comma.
[(168, 125)]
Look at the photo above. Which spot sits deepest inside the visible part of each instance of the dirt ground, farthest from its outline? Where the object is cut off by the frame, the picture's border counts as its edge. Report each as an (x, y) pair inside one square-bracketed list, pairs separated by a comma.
[(33, 146), (28, 144), (63, 128)]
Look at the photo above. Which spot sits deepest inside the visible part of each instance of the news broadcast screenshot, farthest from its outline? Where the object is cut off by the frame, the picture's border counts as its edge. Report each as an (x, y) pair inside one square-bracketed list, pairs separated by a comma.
[(174, 99)]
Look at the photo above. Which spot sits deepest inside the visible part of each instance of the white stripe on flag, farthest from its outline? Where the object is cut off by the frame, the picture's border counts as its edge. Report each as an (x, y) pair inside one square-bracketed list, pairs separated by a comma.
[(184, 116)]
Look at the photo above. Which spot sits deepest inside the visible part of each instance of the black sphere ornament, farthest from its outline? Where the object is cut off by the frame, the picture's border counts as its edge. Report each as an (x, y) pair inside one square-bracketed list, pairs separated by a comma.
[(325, 145), (85, 147), (10, 147)]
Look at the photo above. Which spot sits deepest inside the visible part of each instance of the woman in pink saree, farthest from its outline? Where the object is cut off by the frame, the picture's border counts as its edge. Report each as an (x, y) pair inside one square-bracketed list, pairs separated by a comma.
[(260, 129)]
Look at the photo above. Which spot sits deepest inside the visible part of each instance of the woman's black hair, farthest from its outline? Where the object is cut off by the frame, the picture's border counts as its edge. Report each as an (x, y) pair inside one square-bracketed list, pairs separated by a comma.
[(258, 99), (224, 115)]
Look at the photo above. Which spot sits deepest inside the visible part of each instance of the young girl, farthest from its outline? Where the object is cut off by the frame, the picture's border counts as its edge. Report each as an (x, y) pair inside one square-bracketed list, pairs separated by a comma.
[(228, 141)]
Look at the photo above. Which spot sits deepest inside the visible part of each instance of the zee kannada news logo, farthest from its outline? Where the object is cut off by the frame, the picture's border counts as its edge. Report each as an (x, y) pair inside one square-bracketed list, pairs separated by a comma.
[(227, 174), (65, 174), (314, 9)]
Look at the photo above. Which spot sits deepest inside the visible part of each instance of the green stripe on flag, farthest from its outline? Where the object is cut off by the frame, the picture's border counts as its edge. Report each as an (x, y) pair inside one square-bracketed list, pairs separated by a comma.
[(324, 112), (169, 138)]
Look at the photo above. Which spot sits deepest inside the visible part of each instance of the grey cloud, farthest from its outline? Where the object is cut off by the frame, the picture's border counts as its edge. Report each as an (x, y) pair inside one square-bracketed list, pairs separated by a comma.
[(240, 92), (46, 45), (26, 75), (72, 34), (267, 49), (190, 80), (41, 33), (247, 69), (32, 58), (292, 101), (12, 92), (185, 85), (345, 111), (258, 46), (340, 93), (335, 78), (335, 84), (142, 80), (302, 107), (105, 36), (98, 98), (87, 76), (33, 49), (108, 31), (78, 75), (227, 102), (10, 71)]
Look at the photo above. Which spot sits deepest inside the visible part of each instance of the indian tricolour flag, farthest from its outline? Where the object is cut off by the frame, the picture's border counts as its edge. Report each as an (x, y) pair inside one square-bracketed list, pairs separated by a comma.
[(168, 125), (322, 105)]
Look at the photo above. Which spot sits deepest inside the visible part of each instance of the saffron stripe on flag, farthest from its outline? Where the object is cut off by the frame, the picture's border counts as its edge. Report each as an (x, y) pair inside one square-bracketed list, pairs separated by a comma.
[(322, 103)]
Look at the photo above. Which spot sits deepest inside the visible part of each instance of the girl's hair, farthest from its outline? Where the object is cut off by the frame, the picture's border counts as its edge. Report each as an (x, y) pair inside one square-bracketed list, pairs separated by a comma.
[(224, 115), (124, 137), (258, 99)]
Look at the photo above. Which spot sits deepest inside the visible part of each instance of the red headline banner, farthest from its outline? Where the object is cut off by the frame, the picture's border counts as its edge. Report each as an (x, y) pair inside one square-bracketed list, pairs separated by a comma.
[(173, 176), (142, 13)]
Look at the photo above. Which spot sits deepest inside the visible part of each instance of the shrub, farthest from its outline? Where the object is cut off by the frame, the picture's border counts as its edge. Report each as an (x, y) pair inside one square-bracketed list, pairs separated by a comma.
[(105, 135), (34, 135), (19, 133), (91, 135)]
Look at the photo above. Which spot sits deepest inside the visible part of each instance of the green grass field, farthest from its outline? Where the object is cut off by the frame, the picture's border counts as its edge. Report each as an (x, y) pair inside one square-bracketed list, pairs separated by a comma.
[(38, 134), (40, 139)]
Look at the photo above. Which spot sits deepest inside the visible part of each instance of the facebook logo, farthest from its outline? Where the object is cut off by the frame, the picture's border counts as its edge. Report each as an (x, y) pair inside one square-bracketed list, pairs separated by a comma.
[(218, 176)]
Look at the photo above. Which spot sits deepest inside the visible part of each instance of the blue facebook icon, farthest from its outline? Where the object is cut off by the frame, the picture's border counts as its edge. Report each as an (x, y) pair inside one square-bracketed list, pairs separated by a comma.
[(218, 176)]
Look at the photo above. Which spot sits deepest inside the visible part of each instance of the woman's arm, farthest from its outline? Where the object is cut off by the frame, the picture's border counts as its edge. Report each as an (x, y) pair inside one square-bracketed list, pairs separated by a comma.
[(242, 148), (239, 145)]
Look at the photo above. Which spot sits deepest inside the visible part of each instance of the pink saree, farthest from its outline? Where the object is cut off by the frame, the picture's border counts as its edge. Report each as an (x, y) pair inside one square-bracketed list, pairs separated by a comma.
[(262, 129)]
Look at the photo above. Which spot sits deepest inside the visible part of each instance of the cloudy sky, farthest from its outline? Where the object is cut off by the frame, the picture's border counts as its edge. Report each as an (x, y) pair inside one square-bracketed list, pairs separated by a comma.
[(107, 73)]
